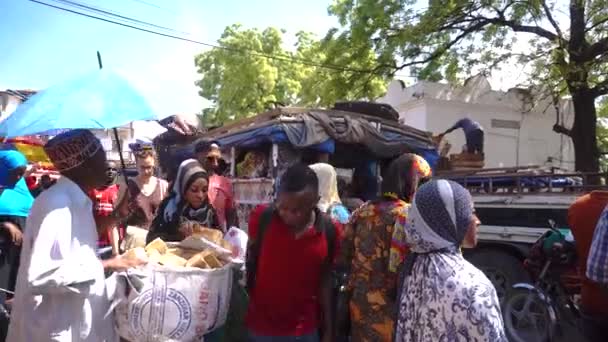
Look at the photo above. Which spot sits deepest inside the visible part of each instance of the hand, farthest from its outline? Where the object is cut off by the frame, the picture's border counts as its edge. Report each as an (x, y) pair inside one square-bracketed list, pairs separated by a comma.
[(187, 228), (120, 264), (14, 232)]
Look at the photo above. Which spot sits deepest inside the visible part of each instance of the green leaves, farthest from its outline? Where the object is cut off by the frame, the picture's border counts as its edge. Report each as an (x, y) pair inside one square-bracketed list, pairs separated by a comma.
[(253, 71)]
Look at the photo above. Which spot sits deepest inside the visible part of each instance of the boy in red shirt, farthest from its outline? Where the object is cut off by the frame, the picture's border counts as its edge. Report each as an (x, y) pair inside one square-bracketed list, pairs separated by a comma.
[(104, 202), (291, 290)]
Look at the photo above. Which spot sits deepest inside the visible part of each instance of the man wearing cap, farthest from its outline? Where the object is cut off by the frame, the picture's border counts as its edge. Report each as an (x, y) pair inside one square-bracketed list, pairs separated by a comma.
[(220, 192), (61, 293)]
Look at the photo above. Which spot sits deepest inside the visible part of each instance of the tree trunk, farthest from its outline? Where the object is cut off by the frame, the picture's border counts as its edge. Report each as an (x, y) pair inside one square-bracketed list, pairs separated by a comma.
[(586, 153)]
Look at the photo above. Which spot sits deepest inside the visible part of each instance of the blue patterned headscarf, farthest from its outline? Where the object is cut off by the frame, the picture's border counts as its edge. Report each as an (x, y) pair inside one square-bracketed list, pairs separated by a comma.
[(439, 217), (15, 199)]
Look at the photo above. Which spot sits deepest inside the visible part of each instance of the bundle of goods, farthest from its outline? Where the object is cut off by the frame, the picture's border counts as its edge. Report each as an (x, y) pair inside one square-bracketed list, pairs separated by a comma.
[(465, 161), (181, 294)]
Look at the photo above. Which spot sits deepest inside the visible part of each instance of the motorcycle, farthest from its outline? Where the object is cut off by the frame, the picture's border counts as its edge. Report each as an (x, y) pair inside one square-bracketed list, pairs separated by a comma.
[(533, 312)]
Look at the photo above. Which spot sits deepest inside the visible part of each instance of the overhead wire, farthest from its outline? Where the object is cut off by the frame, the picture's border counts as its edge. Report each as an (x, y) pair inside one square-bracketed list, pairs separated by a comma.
[(111, 14), (152, 5), (284, 58)]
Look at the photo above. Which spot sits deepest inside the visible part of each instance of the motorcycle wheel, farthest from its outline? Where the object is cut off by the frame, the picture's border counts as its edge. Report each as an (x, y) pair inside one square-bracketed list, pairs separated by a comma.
[(534, 324)]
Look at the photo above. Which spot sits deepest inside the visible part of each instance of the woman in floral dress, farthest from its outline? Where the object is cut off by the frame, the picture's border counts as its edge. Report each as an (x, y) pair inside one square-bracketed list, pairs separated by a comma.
[(374, 250), (445, 298)]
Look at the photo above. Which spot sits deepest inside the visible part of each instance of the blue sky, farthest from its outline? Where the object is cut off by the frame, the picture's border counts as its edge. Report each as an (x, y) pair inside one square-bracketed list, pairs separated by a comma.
[(40, 46)]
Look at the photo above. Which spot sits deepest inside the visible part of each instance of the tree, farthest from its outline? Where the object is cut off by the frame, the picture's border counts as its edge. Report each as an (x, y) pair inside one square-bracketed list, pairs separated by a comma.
[(567, 53), (602, 133), (251, 71)]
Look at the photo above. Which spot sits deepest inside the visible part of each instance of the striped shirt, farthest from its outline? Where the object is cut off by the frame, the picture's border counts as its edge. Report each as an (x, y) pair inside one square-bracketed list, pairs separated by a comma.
[(597, 263)]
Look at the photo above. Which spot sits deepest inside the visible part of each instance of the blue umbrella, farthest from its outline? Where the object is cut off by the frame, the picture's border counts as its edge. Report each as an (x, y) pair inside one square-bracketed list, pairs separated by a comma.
[(100, 100)]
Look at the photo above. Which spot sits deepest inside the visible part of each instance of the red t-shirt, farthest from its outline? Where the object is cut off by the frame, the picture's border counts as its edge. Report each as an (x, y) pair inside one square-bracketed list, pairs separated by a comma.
[(103, 204), (582, 219), (285, 300)]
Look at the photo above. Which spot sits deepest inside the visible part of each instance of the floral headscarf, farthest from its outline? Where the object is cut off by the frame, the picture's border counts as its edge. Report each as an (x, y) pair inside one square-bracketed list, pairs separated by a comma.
[(401, 181)]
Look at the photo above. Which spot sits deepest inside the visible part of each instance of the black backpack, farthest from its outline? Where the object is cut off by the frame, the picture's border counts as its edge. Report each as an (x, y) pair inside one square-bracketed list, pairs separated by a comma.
[(324, 223)]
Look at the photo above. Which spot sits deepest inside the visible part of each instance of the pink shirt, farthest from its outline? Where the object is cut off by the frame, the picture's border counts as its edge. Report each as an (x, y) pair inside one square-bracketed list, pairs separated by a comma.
[(221, 197)]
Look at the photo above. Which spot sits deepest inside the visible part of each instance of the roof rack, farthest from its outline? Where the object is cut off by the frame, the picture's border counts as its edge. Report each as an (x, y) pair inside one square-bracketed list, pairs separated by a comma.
[(527, 180)]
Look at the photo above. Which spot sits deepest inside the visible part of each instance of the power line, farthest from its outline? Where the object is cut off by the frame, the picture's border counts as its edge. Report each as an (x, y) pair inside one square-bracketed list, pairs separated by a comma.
[(152, 5), (248, 51), (111, 14)]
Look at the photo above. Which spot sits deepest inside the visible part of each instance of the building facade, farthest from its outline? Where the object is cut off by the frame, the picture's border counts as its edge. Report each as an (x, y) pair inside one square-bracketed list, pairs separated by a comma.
[(518, 123)]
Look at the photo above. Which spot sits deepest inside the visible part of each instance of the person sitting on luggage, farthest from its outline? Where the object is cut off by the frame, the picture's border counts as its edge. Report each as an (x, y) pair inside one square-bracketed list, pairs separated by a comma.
[(473, 133), (329, 199), (187, 203), (291, 252)]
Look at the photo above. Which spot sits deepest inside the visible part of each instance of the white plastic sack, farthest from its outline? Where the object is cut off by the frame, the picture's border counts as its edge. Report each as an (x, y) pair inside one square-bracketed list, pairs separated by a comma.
[(238, 239), (172, 303)]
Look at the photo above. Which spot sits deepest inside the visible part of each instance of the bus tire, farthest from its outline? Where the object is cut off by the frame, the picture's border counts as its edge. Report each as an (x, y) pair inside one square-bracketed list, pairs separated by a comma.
[(502, 268)]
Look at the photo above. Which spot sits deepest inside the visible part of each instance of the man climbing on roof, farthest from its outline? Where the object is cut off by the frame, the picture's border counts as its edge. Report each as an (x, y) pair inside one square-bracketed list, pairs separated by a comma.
[(473, 133)]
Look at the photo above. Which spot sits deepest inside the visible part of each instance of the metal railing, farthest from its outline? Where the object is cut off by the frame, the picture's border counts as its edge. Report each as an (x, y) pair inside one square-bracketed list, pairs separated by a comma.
[(493, 182)]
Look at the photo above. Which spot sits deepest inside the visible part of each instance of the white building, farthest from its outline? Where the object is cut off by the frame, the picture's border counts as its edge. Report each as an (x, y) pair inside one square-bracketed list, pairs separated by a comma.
[(518, 124)]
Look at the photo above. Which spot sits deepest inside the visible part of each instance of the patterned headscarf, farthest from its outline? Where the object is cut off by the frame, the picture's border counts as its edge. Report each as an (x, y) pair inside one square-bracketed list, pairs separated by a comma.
[(71, 149), (444, 297), (403, 175), (400, 182), (188, 170), (439, 217)]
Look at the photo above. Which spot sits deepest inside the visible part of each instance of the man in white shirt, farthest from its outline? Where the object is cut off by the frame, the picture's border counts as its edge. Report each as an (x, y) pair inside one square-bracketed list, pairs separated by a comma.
[(61, 293)]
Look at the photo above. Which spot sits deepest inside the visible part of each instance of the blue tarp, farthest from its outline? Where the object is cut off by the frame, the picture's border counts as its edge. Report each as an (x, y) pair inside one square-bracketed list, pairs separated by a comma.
[(276, 134)]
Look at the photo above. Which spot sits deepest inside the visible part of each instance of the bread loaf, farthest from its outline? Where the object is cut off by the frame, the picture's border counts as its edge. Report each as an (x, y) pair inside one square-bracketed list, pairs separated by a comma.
[(158, 245)]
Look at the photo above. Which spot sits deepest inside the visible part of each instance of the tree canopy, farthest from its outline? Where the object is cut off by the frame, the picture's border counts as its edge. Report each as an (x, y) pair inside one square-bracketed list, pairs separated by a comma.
[(252, 71), (448, 39)]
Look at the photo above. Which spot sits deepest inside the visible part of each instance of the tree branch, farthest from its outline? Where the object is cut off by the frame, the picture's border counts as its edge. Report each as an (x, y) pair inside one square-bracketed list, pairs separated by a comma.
[(600, 22), (597, 49), (539, 31), (552, 20), (577, 29), (600, 89), (441, 50), (557, 128)]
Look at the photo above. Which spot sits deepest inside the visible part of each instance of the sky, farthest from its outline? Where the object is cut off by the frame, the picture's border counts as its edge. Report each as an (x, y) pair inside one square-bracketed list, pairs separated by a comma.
[(41, 46)]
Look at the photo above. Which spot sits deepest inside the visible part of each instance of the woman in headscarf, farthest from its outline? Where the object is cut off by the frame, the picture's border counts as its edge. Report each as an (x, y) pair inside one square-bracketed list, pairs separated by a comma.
[(444, 297), (374, 265), (188, 202), (15, 203), (329, 200)]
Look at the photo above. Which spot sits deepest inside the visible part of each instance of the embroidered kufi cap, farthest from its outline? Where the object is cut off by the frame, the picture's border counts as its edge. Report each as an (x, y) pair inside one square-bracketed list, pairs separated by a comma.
[(72, 148)]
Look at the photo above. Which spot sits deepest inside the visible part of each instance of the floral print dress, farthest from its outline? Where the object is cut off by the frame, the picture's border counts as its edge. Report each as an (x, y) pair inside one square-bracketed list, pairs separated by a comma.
[(367, 250)]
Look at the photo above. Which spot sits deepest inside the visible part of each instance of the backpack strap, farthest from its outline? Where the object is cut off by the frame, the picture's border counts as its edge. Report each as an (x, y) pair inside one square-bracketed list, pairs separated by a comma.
[(327, 227), (253, 252)]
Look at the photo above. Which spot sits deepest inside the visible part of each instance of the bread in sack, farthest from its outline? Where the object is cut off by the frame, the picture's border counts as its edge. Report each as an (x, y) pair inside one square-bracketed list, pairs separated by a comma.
[(154, 256), (198, 260), (137, 253), (172, 260), (212, 235), (213, 261), (158, 245), (185, 253)]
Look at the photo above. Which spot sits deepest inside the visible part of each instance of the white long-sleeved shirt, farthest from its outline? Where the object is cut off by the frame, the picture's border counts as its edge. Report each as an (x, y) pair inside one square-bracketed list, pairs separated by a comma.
[(60, 292)]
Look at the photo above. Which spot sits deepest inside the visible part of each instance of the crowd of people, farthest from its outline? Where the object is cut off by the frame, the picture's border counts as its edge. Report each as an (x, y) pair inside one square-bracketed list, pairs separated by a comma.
[(408, 280)]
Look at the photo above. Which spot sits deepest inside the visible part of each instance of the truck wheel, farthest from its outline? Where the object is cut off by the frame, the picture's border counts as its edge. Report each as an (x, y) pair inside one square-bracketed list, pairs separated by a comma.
[(503, 269)]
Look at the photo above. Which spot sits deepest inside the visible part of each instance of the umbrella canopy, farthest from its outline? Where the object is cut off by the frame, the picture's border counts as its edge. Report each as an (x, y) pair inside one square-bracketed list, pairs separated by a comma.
[(99, 100)]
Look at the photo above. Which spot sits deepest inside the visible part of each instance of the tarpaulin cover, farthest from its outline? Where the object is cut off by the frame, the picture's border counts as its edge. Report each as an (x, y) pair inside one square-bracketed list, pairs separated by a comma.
[(317, 130)]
